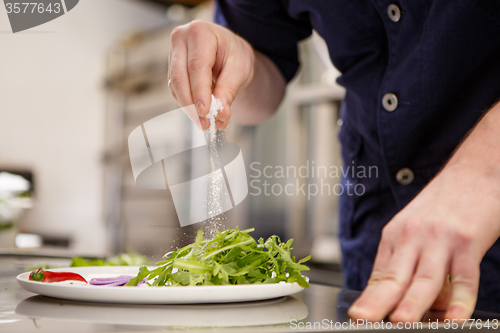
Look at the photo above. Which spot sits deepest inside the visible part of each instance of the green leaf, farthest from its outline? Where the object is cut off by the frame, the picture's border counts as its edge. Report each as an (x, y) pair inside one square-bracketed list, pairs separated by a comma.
[(302, 281), (257, 274), (197, 243), (251, 259), (256, 263), (270, 280), (228, 269), (181, 277), (78, 262), (192, 265), (242, 280), (232, 254), (143, 272), (304, 259), (96, 262), (217, 269), (229, 247), (231, 257)]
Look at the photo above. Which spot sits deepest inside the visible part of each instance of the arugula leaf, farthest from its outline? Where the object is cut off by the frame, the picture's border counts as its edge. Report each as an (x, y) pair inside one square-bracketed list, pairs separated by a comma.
[(131, 258), (231, 257), (143, 272)]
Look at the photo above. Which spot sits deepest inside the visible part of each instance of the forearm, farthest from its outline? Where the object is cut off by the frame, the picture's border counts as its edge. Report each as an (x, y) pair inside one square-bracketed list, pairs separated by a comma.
[(474, 172), (261, 98), (481, 148), (479, 154)]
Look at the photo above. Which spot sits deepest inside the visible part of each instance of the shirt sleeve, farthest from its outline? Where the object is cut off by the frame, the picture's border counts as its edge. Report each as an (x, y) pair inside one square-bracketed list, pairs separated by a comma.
[(267, 26)]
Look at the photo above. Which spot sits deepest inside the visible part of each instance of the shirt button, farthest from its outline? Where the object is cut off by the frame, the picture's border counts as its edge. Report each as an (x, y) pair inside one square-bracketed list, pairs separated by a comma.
[(390, 102), (394, 12), (405, 176)]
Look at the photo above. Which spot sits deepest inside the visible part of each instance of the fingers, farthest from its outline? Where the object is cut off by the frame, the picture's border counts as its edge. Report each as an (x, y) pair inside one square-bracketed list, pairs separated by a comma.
[(178, 73), (169, 72), (205, 123), (464, 286), (190, 72), (225, 91), (194, 52), (231, 77), (443, 300), (223, 117), (200, 52), (388, 289), (202, 49), (220, 125), (425, 286), (387, 284), (384, 253)]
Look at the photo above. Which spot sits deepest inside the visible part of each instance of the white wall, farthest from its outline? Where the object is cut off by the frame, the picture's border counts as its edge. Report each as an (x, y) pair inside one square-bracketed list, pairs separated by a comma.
[(52, 112)]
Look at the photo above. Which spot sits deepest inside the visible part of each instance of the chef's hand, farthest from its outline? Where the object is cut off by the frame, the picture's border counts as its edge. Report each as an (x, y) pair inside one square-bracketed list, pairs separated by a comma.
[(444, 232), (203, 52)]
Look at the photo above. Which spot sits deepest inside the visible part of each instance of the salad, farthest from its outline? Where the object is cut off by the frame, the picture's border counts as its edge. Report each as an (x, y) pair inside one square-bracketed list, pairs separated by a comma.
[(231, 257)]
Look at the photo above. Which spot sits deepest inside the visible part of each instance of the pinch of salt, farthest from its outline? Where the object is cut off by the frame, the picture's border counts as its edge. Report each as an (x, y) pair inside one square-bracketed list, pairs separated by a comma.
[(215, 107)]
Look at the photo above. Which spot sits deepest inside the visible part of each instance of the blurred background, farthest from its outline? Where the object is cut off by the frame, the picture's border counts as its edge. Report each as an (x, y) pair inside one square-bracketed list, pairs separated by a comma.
[(73, 89)]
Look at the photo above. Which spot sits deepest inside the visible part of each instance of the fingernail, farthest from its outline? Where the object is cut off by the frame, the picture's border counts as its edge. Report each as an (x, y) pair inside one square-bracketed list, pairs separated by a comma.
[(219, 124), (354, 310), (203, 123), (200, 107), (400, 316), (359, 312), (456, 311)]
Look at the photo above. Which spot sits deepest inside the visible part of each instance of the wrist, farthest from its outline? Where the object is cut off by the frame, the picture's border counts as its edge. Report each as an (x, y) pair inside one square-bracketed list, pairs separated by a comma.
[(480, 150), (261, 97)]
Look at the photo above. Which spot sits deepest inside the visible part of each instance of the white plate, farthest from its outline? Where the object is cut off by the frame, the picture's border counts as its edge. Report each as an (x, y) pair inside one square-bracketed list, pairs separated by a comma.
[(258, 313), (144, 294)]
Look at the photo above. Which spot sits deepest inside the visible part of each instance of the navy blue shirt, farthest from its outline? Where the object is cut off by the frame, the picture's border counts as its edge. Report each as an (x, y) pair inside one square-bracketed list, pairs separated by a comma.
[(418, 76)]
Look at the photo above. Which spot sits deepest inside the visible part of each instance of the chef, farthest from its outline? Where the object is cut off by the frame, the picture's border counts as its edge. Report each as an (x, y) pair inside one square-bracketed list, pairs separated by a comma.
[(422, 80)]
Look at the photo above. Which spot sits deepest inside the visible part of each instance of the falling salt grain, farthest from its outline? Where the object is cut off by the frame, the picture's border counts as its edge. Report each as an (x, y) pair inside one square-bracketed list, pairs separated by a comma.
[(216, 182)]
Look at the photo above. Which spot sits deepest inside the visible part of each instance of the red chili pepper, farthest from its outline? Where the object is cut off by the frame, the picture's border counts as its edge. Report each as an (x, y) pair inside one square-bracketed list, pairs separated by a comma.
[(48, 276)]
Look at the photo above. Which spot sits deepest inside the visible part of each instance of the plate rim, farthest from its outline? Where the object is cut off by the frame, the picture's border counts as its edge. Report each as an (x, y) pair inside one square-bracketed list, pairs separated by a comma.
[(278, 289)]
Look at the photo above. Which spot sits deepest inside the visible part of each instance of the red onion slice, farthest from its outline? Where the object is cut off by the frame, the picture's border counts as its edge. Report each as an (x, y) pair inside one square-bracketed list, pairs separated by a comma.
[(114, 281)]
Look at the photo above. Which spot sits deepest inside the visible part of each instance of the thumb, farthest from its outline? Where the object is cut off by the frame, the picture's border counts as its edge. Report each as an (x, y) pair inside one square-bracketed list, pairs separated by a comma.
[(234, 76)]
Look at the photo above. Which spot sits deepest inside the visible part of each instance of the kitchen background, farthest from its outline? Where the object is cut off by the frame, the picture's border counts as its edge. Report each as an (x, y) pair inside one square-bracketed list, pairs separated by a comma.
[(73, 89)]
